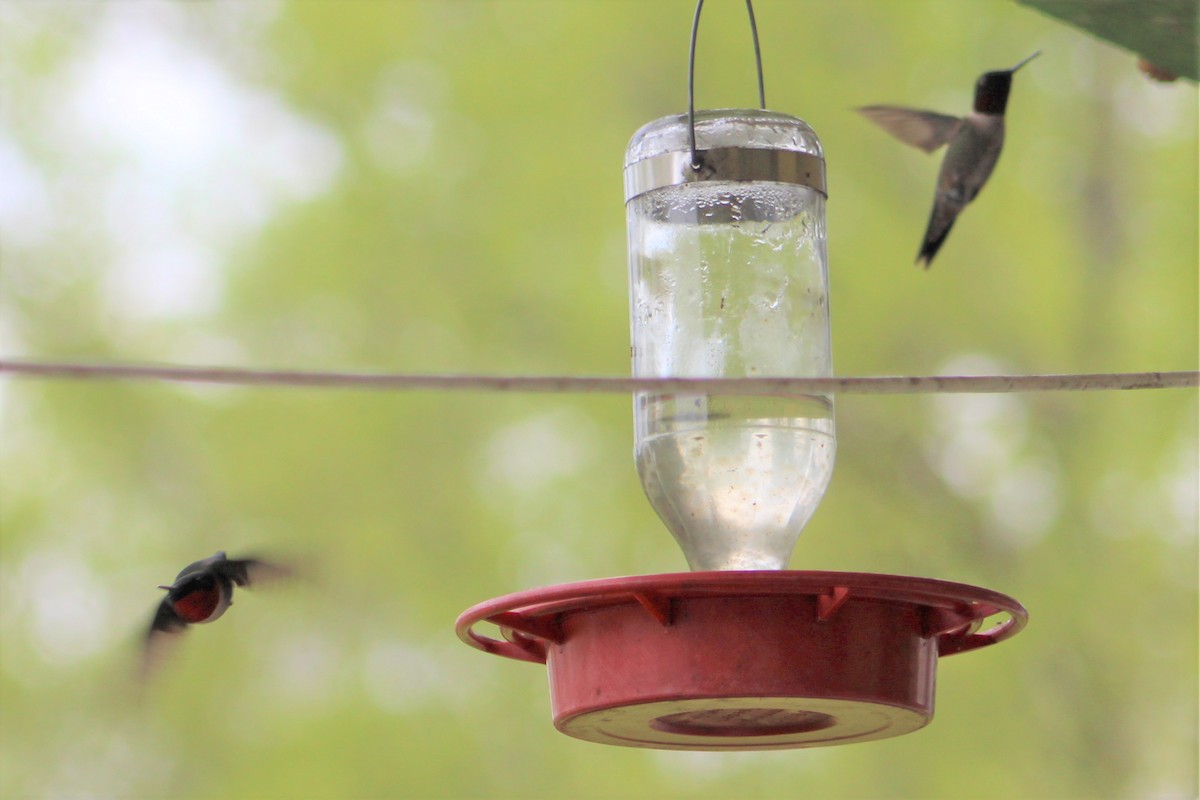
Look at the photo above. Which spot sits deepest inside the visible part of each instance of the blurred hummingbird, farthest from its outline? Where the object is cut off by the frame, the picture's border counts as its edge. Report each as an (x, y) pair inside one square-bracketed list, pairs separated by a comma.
[(975, 141), (202, 592)]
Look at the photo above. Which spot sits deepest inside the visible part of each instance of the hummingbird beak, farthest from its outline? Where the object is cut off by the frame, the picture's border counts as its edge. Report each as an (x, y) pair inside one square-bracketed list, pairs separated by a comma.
[(1025, 61), (168, 588)]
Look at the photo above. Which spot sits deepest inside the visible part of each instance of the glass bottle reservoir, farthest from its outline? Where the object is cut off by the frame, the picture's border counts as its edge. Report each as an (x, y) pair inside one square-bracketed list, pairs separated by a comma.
[(729, 278)]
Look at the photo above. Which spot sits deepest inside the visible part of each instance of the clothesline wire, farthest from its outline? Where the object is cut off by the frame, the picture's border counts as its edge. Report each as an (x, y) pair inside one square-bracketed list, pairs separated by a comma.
[(392, 381)]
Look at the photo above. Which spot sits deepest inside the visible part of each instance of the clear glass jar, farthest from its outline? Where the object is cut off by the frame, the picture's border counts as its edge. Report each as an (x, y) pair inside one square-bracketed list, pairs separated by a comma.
[(729, 278)]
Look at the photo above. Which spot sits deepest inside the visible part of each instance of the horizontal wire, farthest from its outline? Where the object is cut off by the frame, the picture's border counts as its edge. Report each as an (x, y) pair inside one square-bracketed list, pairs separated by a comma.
[(391, 381)]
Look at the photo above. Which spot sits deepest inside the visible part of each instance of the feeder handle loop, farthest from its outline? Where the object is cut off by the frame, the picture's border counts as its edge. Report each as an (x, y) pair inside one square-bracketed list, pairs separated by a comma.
[(762, 97), (967, 638), (522, 649)]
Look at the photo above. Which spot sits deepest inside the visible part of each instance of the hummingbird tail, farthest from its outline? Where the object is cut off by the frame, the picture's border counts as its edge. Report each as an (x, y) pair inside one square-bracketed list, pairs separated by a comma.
[(935, 235)]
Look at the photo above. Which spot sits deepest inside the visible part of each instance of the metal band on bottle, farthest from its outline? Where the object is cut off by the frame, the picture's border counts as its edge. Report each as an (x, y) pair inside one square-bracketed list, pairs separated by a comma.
[(725, 164)]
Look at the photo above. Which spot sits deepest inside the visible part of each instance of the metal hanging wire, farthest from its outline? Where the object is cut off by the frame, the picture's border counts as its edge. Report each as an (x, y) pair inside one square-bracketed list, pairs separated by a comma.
[(762, 97), (541, 384)]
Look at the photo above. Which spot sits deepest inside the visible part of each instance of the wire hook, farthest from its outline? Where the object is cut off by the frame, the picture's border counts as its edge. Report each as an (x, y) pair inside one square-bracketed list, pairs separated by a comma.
[(762, 97)]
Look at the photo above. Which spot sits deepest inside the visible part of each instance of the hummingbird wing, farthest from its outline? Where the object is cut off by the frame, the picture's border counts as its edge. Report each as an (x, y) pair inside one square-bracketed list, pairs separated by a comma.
[(253, 571), (166, 620), (164, 631), (927, 130)]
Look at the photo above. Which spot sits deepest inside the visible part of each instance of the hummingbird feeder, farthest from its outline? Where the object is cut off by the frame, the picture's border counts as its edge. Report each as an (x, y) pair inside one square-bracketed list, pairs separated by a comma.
[(725, 213)]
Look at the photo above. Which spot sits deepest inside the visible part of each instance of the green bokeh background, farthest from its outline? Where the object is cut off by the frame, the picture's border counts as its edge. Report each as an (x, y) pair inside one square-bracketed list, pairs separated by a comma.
[(436, 187)]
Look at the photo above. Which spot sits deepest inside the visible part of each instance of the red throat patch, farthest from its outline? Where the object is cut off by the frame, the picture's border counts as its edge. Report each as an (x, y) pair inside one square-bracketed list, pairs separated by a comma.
[(199, 605)]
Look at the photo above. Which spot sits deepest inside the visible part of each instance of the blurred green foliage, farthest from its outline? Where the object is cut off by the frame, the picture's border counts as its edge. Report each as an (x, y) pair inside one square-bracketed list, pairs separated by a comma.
[(436, 186), (1164, 32)]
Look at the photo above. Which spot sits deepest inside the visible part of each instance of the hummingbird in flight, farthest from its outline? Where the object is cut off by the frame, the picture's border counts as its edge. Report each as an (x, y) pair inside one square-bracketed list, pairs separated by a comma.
[(975, 141), (201, 593)]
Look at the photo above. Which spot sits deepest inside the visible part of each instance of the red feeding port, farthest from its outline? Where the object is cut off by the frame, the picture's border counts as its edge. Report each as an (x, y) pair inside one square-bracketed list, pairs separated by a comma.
[(742, 660)]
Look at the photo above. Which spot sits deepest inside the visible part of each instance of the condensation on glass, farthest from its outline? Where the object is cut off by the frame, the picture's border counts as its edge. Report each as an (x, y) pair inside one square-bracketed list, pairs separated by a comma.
[(729, 278)]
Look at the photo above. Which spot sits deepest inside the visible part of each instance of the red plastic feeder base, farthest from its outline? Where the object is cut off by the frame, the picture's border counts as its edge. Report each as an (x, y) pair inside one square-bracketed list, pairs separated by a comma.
[(742, 660)]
